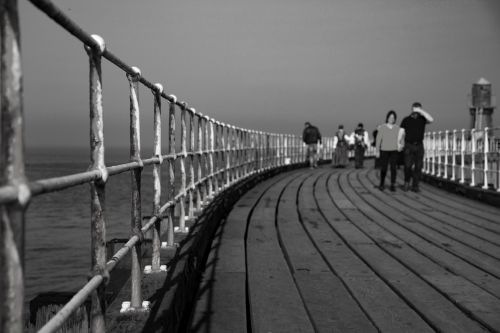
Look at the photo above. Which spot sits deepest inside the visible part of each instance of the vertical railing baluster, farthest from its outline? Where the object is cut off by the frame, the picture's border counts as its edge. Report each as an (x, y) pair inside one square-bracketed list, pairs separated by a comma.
[(192, 112), (236, 154), (485, 158), (462, 158), (200, 189), (427, 153), (12, 172), (97, 188), (211, 142), (136, 218), (229, 163), (473, 157), (206, 149), (446, 151), (182, 201), (171, 171), (440, 154), (454, 156), (433, 145), (156, 242)]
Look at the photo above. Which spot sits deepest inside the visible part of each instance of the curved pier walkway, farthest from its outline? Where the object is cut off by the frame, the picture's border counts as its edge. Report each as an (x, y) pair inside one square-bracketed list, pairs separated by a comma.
[(323, 250)]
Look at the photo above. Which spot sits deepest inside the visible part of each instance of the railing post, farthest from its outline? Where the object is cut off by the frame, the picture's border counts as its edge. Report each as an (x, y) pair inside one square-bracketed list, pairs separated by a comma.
[(229, 160), (97, 188), (156, 246), (171, 171), (453, 156), (462, 157), (485, 161), (192, 113), (182, 202), (216, 152), (428, 147), (439, 150), (136, 217), (12, 172), (426, 152), (200, 189), (433, 171), (446, 151), (210, 141), (473, 158)]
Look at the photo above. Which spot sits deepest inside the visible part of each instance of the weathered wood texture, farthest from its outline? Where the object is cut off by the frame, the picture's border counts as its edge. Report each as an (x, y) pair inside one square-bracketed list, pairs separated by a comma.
[(325, 251)]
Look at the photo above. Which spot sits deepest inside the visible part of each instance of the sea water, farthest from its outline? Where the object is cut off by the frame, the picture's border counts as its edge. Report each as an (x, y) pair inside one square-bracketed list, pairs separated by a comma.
[(57, 230)]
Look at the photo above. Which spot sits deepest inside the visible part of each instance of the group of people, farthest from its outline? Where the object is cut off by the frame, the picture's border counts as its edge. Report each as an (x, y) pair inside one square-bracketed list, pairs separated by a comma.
[(390, 140), (359, 140)]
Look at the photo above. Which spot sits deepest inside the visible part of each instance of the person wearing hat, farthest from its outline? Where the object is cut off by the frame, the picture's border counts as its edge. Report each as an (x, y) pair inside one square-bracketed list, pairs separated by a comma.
[(361, 142)]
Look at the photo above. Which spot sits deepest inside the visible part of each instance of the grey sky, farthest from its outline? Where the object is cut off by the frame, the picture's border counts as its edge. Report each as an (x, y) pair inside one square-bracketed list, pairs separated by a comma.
[(268, 65)]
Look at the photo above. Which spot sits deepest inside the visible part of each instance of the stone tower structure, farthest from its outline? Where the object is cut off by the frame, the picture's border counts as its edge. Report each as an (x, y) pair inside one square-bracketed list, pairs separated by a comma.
[(482, 105)]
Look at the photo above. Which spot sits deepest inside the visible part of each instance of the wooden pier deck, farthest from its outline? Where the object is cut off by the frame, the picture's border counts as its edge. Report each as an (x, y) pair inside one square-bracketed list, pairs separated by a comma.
[(323, 250)]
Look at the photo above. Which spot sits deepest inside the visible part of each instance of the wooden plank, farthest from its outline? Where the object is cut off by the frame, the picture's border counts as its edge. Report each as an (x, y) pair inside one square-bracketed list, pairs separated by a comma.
[(221, 300), (275, 303), (476, 215), (471, 299), (328, 302), (383, 305), (430, 304), (438, 254), (433, 217), (461, 202), (413, 220)]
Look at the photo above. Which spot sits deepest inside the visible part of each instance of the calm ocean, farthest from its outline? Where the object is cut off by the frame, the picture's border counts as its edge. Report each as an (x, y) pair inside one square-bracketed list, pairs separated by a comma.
[(58, 224)]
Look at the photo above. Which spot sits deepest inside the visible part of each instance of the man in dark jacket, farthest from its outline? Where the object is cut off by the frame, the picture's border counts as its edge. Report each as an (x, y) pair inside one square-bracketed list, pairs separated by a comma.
[(414, 127), (311, 136)]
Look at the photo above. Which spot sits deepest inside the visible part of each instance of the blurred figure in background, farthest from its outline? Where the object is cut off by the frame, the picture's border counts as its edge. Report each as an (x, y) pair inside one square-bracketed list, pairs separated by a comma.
[(311, 137), (341, 143), (361, 142)]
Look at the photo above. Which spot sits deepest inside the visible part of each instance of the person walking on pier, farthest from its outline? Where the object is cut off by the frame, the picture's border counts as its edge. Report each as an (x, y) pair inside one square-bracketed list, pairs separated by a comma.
[(414, 127), (311, 137), (340, 146), (388, 143), (361, 142)]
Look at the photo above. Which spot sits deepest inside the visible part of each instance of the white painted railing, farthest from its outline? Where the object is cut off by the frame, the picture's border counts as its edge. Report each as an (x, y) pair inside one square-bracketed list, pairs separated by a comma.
[(469, 157)]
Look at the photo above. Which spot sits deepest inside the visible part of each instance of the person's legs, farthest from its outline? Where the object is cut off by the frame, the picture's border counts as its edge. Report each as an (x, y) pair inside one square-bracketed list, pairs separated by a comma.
[(360, 154), (384, 160), (393, 161), (419, 162), (408, 159), (309, 155), (315, 155)]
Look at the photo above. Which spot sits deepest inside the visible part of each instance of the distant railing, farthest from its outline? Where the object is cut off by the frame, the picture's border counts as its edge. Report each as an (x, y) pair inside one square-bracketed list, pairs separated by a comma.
[(469, 157), (212, 157)]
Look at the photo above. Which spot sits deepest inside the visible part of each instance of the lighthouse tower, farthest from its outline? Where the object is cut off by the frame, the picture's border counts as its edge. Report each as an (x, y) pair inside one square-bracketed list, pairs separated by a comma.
[(481, 105)]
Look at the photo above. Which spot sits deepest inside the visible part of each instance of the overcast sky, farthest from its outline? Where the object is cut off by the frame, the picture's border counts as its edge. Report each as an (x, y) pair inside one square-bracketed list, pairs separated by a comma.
[(262, 64)]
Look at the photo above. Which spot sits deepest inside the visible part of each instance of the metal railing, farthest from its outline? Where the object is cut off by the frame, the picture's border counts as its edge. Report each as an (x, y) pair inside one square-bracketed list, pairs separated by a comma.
[(469, 157), (212, 157)]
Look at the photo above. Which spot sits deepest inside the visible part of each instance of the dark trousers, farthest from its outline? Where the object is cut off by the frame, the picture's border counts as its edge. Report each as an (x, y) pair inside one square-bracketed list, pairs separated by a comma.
[(414, 161), (359, 156), (388, 157)]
